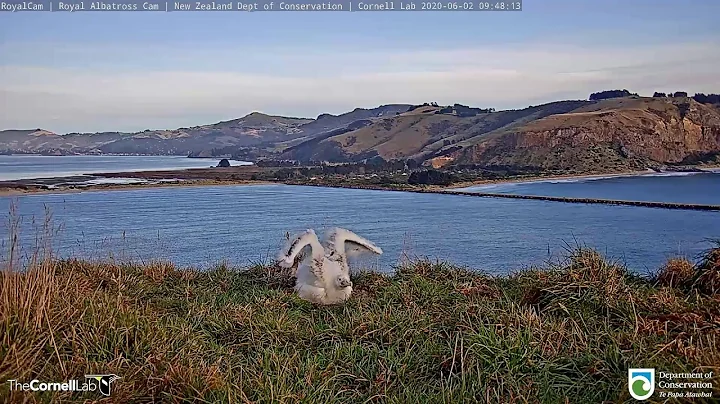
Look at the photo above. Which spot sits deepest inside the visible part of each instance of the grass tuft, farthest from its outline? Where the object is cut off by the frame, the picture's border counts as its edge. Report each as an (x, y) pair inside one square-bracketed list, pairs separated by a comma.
[(707, 277), (676, 272)]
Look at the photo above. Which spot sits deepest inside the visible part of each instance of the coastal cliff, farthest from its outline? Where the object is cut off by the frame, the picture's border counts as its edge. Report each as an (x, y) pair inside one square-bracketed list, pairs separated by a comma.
[(612, 134)]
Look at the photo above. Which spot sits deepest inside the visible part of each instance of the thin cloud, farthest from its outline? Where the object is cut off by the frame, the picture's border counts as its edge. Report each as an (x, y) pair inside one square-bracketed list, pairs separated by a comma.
[(65, 99)]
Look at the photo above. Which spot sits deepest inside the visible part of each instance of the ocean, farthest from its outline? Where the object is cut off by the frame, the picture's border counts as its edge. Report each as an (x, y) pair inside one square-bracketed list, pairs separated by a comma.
[(201, 226)]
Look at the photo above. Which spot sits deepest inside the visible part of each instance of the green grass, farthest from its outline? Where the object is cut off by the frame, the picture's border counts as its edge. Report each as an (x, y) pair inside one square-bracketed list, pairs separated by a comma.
[(429, 333)]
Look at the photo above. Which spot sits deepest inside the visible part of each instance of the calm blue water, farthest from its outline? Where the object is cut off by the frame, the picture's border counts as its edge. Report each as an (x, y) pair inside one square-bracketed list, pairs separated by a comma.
[(202, 225), (30, 166), (702, 188)]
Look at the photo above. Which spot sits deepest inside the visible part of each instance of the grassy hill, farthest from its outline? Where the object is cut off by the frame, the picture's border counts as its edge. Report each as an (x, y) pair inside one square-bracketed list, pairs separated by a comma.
[(608, 135)]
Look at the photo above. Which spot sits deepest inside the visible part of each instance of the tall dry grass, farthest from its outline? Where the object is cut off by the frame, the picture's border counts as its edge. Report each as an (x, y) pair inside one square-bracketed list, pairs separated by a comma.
[(431, 332)]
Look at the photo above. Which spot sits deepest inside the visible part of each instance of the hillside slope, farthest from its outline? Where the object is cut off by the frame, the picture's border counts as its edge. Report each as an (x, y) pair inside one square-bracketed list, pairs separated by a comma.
[(26, 139), (625, 133), (613, 134), (420, 133)]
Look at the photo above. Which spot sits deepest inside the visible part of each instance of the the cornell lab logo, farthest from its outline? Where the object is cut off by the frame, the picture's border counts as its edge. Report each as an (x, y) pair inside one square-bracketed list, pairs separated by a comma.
[(99, 383), (103, 382), (641, 383)]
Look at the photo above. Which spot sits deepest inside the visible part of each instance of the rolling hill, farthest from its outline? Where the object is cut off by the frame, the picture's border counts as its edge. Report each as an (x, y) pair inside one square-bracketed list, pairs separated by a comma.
[(601, 135), (255, 130), (620, 133), (420, 133)]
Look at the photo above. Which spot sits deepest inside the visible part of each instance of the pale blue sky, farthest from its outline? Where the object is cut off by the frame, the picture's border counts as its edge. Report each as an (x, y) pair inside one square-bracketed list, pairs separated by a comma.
[(132, 71)]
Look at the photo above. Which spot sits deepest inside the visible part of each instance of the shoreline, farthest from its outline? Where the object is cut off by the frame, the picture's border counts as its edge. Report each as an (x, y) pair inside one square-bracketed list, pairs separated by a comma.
[(211, 176), (240, 175), (548, 178), (125, 187), (574, 176)]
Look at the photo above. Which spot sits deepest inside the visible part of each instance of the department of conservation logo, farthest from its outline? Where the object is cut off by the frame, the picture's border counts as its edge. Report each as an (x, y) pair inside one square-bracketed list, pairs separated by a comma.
[(103, 382), (641, 383)]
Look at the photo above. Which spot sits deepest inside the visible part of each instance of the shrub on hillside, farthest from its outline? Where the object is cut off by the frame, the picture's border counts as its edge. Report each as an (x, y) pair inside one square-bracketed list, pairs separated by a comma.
[(603, 95), (707, 99), (430, 177)]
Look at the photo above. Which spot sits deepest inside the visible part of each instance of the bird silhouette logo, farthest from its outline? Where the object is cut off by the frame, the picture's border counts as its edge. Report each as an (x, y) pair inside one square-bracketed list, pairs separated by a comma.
[(103, 382)]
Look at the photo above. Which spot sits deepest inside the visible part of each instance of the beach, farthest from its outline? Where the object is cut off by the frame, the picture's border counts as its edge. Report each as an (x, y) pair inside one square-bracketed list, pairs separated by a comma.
[(575, 177)]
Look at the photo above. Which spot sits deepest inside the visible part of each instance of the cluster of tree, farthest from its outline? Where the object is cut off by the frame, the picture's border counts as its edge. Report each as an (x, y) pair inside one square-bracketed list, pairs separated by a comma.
[(294, 168), (701, 157), (289, 173), (679, 94), (431, 177), (499, 168), (307, 172), (214, 152), (699, 97), (285, 163), (459, 109), (707, 99), (465, 111), (444, 177), (683, 109), (376, 165), (472, 172), (234, 152), (604, 95), (425, 104)]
